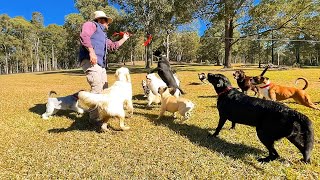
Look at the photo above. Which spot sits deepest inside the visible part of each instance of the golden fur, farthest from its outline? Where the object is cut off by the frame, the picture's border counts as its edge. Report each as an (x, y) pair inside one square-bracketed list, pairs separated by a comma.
[(174, 104)]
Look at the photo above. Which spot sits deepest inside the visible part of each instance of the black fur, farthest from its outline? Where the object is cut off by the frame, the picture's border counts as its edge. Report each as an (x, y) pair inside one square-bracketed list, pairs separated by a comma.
[(165, 72), (272, 120)]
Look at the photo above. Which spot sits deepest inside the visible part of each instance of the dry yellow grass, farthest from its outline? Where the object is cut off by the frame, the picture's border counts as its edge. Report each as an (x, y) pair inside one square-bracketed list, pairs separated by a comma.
[(67, 147)]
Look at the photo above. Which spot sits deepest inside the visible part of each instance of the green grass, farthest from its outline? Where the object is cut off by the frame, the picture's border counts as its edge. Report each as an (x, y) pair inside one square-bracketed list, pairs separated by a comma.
[(68, 147)]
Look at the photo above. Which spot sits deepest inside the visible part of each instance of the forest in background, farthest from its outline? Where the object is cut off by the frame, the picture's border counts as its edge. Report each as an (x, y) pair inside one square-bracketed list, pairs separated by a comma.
[(281, 32)]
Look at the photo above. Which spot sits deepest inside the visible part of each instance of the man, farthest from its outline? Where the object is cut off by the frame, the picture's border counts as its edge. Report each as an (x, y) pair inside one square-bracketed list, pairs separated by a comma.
[(93, 52)]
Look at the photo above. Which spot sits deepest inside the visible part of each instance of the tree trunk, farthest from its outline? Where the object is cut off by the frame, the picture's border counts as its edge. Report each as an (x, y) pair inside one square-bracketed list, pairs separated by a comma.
[(168, 45), (272, 48), (37, 55), (7, 63), (298, 53), (227, 42), (53, 64)]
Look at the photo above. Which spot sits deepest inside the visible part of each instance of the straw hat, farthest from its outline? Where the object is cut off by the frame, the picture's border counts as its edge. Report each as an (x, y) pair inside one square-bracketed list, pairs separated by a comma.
[(101, 14)]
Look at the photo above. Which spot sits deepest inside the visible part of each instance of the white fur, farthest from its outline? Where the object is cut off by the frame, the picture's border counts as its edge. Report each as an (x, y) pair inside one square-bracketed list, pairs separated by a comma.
[(264, 91), (61, 103), (113, 101), (155, 83), (176, 78)]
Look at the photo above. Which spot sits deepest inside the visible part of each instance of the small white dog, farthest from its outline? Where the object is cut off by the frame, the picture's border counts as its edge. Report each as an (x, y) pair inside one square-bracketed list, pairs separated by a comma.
[(145, 88), (152, 98), (61, 103), (113, 101)]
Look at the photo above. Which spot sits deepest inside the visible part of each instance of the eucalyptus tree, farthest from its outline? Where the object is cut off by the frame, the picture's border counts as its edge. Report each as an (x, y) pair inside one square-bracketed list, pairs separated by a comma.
[(232, 12), (54, 42), (87, 7), (158, 17), (185, 46), (212, 47), (72, 25), (5, 39), (38, 22), (293, 19), (22, 45)]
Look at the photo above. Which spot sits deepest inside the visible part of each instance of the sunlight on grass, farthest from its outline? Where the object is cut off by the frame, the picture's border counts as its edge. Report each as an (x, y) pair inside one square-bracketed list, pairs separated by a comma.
[(68, 147)]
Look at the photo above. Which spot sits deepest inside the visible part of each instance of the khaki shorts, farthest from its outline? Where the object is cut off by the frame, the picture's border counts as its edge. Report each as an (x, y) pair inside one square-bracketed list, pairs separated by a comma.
[(96, 76)]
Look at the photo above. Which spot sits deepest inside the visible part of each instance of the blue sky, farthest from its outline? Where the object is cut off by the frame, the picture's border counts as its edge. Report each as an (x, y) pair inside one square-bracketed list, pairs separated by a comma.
[(53, 11)]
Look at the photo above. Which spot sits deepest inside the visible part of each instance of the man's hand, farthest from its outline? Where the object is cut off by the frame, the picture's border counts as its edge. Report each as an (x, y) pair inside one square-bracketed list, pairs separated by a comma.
[(126, 36), (93, 56)]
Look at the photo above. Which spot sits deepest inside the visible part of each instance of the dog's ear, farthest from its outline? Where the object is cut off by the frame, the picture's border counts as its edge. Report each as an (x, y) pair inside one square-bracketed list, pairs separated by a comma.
[(172, 90)]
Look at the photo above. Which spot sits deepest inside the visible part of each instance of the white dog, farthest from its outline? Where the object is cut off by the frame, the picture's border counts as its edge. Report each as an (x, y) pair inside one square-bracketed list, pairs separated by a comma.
[(152, 98), (113, 101), (61, 103), (153, 83)]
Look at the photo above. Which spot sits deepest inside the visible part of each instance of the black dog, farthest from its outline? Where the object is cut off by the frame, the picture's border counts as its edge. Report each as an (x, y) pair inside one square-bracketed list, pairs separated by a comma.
[(165, 72), (272, 120)]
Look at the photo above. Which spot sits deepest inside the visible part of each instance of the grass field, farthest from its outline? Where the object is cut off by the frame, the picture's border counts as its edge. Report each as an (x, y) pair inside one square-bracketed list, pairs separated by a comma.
[(68, 147)]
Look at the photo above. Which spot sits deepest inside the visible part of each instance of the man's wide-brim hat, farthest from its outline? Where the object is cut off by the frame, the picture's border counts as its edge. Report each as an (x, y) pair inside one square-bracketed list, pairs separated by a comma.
[(101, 14)]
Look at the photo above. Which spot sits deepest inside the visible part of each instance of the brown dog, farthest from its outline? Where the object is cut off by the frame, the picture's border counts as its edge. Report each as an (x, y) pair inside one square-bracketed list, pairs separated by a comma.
[(173, 104), (244, 82), (277, 93)]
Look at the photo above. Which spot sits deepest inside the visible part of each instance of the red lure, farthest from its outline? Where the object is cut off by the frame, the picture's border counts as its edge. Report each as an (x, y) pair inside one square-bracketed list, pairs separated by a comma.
[(147, 42), (121, 33)]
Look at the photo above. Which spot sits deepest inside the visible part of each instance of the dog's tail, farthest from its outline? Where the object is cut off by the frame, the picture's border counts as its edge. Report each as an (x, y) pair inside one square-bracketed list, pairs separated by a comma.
[(305, 80), (182, 92), (90, 100), (51, 93), (265, 70), (302, 135)]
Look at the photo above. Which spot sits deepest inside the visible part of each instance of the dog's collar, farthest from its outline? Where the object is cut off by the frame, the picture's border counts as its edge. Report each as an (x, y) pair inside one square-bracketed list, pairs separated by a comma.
[(225, 90), (265, 86)]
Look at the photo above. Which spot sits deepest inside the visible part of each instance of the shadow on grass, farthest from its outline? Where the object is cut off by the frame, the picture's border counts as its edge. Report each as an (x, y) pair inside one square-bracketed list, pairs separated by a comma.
[(139, 97), (195, 84), (200, 137), (79, 123), (214, 96)]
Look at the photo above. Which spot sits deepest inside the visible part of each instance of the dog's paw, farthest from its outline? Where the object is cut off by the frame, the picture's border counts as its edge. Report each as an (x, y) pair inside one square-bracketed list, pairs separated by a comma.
[(210, 135), (125, 128), (129, 115), (44, 117), (267, 159)]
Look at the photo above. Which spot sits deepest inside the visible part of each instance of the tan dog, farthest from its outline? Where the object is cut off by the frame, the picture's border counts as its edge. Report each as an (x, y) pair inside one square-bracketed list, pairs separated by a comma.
[(277, 93), (173, 104)]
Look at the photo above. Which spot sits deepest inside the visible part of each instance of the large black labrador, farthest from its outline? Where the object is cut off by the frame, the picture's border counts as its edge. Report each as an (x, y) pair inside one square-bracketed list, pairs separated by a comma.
[(272, 120), (165, 72)]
